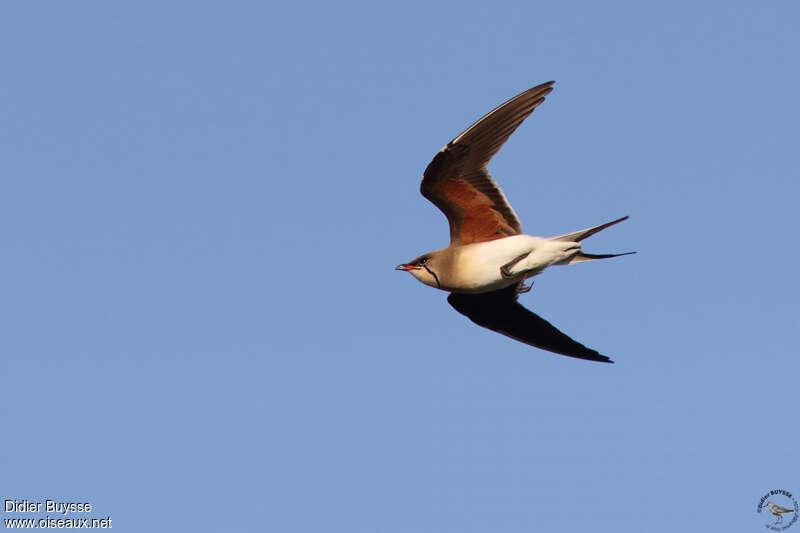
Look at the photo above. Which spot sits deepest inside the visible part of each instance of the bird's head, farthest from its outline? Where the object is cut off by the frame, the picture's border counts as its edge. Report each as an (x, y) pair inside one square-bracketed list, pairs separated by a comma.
[(424, 269)]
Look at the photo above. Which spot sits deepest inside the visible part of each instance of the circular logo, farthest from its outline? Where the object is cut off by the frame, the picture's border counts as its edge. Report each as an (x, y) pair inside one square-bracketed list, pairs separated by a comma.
[(781, 508)]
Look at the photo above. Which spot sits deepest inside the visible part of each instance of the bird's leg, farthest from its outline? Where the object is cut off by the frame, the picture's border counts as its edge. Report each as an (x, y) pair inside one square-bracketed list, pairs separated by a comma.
[(522, 288), (505, 270)]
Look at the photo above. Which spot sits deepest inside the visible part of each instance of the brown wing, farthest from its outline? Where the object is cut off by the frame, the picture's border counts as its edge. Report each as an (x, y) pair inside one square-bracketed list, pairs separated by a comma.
[(501, 312), (457, 181)]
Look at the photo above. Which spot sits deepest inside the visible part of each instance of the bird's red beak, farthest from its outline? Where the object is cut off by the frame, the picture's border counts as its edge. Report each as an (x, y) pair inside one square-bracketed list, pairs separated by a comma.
[(406, 267)]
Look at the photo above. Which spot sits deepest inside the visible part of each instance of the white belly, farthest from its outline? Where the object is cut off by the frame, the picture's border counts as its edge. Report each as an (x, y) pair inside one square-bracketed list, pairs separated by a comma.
[(479, 264)]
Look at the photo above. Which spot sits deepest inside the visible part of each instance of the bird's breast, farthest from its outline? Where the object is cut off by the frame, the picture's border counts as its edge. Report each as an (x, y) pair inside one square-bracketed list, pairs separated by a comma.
[(477, 266)]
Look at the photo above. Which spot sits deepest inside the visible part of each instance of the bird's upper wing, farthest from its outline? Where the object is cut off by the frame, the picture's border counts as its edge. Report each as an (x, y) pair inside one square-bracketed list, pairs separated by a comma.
[(501, 312), (457, 181)]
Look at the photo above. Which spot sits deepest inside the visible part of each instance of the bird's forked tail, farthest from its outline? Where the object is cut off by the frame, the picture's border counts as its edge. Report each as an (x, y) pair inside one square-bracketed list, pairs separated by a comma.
[(578, 236)]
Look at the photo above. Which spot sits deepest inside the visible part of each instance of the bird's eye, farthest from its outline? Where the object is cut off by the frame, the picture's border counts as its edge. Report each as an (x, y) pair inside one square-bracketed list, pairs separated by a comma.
[(422, 261)]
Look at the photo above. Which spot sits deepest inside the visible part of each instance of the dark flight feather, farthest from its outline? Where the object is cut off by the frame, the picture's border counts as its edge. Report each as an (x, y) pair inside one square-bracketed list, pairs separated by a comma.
[(501, 312), (458, 183)]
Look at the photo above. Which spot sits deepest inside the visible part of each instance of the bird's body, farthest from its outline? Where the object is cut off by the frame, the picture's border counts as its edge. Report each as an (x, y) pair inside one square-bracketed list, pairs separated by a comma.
[(778, 511), (476, 267), (489, 258)]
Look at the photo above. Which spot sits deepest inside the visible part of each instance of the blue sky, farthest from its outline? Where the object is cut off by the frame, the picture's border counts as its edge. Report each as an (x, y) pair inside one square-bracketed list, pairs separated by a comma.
[(203, 203)]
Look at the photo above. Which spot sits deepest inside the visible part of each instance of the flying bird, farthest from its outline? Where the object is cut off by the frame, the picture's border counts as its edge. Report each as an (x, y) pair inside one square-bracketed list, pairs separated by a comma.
[(489, 258)]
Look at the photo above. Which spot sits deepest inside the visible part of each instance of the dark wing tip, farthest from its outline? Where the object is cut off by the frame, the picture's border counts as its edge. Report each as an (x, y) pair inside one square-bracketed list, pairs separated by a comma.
[(546, 87)]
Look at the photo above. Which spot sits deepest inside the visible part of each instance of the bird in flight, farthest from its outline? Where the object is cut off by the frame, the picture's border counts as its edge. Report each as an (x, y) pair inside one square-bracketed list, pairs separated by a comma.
[(489, 258)]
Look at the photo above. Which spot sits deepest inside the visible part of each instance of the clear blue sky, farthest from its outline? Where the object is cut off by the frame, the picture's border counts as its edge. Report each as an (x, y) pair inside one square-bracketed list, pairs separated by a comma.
[(202, 205)]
